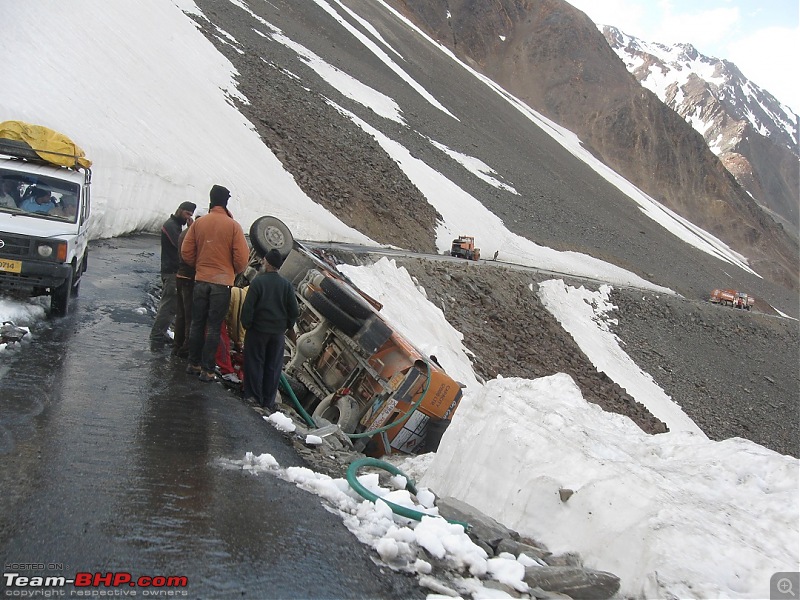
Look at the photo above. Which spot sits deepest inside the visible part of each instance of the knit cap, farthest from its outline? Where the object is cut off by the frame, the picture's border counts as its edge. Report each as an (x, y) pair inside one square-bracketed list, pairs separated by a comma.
[(274, 258), (219, 196)]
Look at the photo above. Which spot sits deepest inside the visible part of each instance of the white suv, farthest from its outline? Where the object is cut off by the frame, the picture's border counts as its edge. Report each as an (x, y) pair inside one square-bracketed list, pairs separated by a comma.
[(44, 218)]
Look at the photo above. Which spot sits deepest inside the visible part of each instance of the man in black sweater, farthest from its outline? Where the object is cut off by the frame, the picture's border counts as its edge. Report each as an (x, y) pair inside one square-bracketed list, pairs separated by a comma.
[(170, 232), (269, 311)]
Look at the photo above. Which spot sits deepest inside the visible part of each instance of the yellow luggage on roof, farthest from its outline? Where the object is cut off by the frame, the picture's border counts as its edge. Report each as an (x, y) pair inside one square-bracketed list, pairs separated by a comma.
[(49, 145)]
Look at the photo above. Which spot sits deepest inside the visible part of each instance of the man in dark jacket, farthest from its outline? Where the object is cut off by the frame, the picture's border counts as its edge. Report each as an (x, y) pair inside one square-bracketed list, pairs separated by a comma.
[(184, 285), (269, 311), (170, 232)]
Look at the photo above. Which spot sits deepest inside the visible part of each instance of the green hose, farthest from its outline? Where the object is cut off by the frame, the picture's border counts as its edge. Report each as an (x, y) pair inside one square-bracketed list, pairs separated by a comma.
[(410, 513), (352, 470), (288, 389)]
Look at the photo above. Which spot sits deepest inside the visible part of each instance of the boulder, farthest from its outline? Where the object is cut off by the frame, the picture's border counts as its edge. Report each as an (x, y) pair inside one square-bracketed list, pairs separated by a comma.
[(484, 527), (586, 584), (516, 548)]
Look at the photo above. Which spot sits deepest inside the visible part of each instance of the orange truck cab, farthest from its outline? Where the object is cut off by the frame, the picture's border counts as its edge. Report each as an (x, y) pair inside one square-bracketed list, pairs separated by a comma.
[(464, 247)]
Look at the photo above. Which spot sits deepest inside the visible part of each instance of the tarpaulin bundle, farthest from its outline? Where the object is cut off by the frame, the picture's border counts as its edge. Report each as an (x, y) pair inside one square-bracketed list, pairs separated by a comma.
[(31, 141)]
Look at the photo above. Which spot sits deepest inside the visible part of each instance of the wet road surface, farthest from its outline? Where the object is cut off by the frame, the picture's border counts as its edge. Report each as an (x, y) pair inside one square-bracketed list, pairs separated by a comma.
[(112, 460)]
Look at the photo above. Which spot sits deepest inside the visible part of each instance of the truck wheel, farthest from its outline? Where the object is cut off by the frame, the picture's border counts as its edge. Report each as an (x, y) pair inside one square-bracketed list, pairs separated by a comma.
[(59, 297), (76, 283), (300, 391), (345, 412), (345, 298), (334, 314), (76, 288), (268, 233)]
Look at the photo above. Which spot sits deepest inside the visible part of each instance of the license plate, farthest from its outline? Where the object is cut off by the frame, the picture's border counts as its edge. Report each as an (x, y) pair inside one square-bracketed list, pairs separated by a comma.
[(10, 266)]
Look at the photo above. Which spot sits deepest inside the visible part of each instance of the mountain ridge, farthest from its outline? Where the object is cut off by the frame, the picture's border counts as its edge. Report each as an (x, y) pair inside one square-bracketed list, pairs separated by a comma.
[(754, 134)]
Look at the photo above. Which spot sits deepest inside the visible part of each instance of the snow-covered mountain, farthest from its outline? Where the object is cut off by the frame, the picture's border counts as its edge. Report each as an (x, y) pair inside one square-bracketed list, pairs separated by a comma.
[(753, 133)]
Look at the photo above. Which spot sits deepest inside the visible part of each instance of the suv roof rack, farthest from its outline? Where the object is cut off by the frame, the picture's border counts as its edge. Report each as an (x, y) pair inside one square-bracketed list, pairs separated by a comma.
[(22, 150)]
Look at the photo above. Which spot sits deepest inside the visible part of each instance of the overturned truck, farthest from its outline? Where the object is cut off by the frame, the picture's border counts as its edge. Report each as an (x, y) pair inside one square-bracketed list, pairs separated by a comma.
[(348, 366)]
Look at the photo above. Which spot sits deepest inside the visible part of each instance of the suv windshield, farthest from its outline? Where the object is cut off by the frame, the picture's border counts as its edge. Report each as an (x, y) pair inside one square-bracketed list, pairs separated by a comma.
[(38, 196)]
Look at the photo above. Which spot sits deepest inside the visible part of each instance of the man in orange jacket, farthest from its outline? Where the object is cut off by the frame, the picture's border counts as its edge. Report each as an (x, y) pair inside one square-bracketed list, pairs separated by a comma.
[(215, 245)]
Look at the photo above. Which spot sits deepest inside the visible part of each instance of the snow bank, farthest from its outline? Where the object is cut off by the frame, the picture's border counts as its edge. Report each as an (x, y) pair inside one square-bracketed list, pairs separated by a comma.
[(669, 514)]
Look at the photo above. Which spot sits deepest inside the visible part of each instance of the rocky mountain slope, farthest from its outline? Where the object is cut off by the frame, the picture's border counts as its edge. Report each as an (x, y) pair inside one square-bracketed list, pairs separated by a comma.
[(561, 203), (552, 56), (720, 365), (754, 135)]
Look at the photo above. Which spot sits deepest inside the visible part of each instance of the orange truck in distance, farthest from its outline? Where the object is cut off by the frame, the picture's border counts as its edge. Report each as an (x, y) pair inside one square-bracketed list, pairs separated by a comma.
[(464, 246), (732, 298)]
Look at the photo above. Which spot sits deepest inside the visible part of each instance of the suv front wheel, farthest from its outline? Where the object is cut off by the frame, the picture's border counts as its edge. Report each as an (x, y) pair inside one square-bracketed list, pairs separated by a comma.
[(59, 297)]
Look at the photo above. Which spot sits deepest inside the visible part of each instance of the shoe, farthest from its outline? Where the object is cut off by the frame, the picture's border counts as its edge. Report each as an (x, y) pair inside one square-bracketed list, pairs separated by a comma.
[(207, 377), (193, 370), (231, 378)]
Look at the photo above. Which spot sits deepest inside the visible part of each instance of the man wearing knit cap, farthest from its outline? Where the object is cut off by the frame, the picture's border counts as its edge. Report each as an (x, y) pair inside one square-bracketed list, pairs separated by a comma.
[(170, 232), (268, 313), (216, 247)]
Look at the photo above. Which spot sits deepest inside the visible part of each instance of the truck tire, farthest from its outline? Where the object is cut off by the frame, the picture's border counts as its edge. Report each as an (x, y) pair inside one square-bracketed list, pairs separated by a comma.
[(76, 288), (345, 298), (59, 297), (300, 391), (76, 281), (345, 412), (338, 318), (268, 233)]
